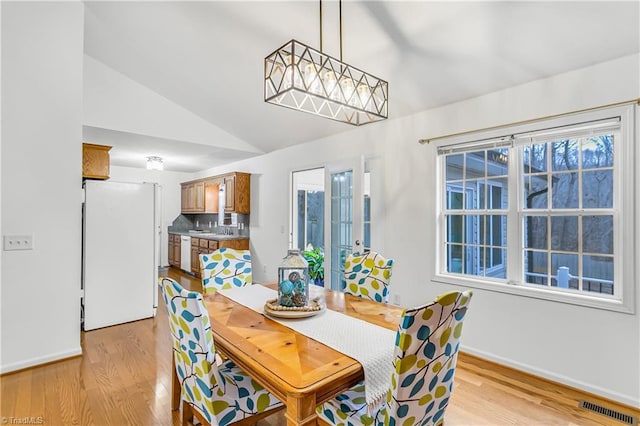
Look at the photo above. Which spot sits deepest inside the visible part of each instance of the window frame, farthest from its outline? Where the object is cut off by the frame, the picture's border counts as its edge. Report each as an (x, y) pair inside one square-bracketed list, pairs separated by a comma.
[(490, 230), (626, 190)]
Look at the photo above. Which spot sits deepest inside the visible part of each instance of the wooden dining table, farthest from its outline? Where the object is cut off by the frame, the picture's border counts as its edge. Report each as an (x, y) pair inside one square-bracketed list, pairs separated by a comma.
[(299, 371)]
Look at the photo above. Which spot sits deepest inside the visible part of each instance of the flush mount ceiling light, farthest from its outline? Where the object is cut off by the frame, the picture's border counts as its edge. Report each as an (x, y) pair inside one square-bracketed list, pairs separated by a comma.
[(300, 77), (155, 163)]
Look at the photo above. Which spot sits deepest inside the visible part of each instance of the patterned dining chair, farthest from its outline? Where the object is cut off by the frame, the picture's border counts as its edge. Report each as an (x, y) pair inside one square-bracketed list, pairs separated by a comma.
[(368, 275), (225, 268), (425, 355), (216, 395)]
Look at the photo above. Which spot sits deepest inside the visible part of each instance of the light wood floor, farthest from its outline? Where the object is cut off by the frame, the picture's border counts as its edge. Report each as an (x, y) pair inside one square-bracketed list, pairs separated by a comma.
[(123, 378)]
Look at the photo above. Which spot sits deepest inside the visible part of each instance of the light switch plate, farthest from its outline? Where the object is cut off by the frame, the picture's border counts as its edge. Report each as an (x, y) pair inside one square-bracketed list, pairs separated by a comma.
[(18, 242)]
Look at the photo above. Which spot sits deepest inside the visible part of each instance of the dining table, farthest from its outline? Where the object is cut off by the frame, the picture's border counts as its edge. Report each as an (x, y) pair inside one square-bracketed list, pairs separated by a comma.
[(298, 370)]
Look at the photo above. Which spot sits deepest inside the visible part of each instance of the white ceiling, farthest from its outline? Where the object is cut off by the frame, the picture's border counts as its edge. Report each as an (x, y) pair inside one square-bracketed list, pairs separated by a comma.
[(205, 60)]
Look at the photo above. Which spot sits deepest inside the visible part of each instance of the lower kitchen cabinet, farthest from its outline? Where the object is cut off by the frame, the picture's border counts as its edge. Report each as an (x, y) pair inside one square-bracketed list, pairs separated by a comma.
[(205, 246), (195, 260), (236, 244), (200, 246), (174, 250)]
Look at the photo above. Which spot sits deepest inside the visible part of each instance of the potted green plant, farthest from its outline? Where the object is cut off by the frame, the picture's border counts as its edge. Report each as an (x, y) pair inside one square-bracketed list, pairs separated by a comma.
[(315, 259)]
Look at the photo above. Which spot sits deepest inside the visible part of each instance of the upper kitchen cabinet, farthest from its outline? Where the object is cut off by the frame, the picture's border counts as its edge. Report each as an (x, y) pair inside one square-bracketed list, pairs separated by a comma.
[(237, 192), (95, 161), (202, 196), (193, 197), (211, 195)]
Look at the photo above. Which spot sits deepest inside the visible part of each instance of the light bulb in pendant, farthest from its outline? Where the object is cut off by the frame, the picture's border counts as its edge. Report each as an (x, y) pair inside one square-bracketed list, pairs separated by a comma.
[(330, 82), (347, 90), (364, 94), (311, 80)]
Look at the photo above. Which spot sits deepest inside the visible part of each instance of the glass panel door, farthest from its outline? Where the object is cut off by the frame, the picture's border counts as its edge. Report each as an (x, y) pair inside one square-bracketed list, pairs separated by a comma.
[(344, 211)]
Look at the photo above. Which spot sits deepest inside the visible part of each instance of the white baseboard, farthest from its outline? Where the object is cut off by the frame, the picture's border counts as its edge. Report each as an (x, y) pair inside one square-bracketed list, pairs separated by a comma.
[(32, 362), (568, 381)]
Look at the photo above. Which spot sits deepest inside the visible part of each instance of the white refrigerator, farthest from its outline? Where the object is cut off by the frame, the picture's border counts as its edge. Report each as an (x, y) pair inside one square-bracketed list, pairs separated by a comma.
[(120, 251)]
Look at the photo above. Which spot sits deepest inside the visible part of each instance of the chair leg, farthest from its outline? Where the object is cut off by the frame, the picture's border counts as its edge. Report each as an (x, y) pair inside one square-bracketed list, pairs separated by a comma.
[(187, 414), (175, 385)]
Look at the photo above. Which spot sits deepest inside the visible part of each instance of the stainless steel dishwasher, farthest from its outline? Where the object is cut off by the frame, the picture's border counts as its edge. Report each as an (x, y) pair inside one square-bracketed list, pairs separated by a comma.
[(185, 253)]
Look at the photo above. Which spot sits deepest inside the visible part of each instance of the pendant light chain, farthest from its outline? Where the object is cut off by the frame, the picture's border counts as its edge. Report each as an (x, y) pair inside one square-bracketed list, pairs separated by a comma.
[(321, 26), (340, 30), (340, 20)]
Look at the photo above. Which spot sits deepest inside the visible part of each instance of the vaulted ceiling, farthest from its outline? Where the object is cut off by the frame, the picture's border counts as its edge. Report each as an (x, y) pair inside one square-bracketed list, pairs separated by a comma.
[(184, 80)]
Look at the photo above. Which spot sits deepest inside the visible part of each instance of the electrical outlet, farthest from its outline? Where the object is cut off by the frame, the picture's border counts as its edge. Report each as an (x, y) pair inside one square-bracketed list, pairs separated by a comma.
[(396, 299), (264, 268), (18, 242)]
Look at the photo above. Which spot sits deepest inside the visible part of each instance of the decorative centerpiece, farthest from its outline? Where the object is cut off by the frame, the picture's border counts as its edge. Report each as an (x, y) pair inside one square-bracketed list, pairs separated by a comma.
[(293, 280)]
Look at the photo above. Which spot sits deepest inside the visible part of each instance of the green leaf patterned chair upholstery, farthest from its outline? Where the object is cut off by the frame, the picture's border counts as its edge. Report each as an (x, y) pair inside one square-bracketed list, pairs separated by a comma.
[(216, 395), (225, 268), (426, 351), (368, 275)]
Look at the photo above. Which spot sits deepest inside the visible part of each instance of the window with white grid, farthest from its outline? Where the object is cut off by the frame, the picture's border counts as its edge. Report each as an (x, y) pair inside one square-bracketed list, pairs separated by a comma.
[(543, 210)]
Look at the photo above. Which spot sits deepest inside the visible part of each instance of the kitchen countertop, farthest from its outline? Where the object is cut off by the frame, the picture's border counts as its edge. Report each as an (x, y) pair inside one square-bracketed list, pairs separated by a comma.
[(211, 236)]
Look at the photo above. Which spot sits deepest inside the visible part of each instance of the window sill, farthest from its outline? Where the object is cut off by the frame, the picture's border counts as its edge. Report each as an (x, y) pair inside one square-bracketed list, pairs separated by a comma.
[(560, 296)]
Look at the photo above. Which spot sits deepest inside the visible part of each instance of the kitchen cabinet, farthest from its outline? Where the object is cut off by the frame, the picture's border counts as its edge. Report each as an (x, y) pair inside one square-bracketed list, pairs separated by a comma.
[(242, 244), (177, 251), (200, 246), (193, 197), (205, 246), (238, 192), (170, 250), (195, 259), (95, 161), (230, 193), (186, 198), (211, 195), (201, 196), (174, 250)]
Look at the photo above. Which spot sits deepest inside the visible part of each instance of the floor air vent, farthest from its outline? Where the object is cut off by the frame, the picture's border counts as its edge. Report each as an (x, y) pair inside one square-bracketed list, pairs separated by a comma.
[(621, 417)]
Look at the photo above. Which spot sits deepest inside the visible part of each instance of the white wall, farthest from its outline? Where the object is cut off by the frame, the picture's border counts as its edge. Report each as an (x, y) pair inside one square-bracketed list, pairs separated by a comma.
[(170, 197), (591, 349), (41, 180)]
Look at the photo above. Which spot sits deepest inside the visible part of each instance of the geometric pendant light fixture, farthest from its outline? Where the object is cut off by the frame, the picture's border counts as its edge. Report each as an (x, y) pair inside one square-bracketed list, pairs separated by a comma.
[(305, 79)]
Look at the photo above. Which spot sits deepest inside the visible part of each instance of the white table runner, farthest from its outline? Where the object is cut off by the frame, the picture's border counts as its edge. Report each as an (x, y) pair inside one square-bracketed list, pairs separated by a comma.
[(371, 345)]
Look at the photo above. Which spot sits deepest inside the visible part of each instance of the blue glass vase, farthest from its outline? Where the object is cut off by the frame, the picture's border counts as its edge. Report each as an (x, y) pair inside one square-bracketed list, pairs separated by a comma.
[(293, 280)]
